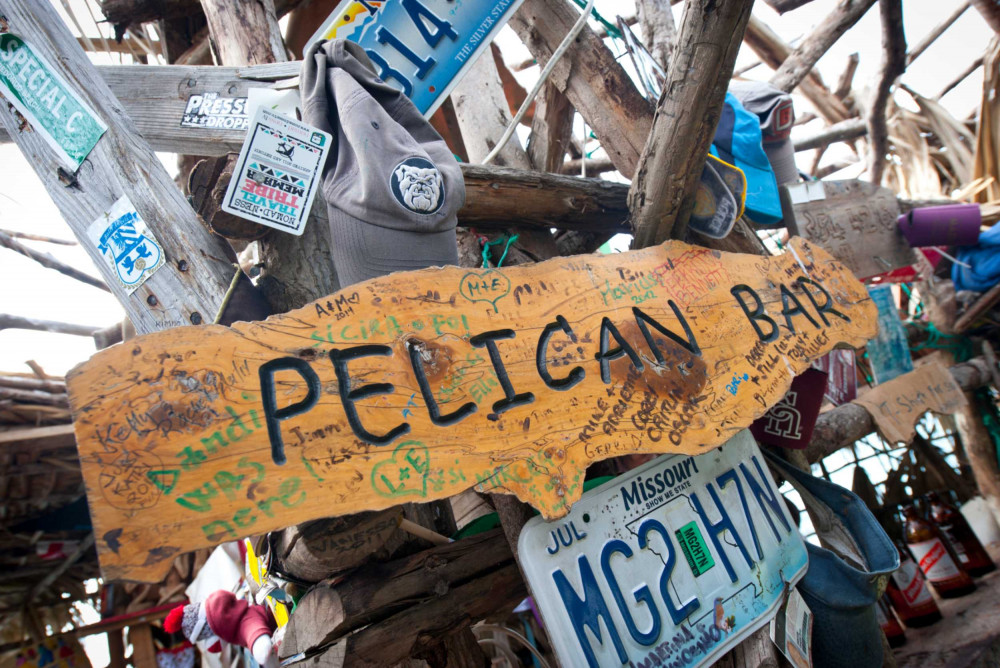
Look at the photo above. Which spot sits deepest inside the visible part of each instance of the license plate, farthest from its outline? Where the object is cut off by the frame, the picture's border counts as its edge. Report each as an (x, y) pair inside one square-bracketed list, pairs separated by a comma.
[(672, 564), (422, 47)]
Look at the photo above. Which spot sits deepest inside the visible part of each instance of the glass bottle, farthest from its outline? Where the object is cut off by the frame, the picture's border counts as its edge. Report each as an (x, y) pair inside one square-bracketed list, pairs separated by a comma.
[(909, 594), (934, 558), (956, 530), (887, 621)]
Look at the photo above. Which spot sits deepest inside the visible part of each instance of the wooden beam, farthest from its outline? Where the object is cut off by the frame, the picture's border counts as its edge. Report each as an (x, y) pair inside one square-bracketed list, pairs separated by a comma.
[(661, 196), (782, 6), (848, 423), (190, 286), (591, 78), (56, 437), (847, 130), (962, 76), (801, 61), (551, 130), (893, 65), (773, 50)]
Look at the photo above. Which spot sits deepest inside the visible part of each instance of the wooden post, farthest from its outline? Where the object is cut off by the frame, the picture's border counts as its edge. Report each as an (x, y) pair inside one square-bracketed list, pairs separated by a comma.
[(590, 77), (893, 65), (190, 286), (658, 30), (662, 192), (143, 651)]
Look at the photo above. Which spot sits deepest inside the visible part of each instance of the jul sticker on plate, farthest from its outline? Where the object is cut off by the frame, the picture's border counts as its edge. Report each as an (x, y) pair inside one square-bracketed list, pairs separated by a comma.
[(673, 563), (278, 172)]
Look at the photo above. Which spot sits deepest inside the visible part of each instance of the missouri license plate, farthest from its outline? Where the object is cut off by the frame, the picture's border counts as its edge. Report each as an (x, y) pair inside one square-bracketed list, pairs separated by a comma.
[(671, 564), (423, 47)]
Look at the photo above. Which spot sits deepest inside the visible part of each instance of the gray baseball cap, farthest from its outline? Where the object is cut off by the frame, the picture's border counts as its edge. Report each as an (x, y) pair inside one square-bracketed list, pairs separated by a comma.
[(774, 108), (392, 186)]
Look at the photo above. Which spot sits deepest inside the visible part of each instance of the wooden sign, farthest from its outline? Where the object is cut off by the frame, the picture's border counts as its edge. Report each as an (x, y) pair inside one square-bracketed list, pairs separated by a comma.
[(419, 385), (854, 220), (897, 405)]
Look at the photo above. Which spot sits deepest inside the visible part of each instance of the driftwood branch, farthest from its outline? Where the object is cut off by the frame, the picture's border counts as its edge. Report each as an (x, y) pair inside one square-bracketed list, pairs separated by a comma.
[(17, 322), (782, 6), (893, 65), (936, 32), (50, 262), (38, 237), (963, 75), (805, 56), (662, 193), (990, 10), (846, 80), (848, 423), (852, 128), (773, 50)]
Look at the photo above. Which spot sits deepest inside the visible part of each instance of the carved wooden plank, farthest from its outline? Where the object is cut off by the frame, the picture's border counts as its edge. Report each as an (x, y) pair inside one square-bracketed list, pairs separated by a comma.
[(855, 221), (418, 385)]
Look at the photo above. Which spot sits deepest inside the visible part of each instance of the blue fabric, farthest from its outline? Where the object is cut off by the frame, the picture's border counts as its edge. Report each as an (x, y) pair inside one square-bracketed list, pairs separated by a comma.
[(841, 596), (985, 260), (738, 142)]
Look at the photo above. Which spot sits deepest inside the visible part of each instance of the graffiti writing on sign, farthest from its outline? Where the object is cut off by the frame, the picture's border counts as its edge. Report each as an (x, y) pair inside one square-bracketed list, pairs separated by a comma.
[(420, 392)]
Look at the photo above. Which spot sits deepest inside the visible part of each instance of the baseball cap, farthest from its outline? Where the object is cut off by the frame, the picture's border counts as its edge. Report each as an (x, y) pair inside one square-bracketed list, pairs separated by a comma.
[(773, 107), (718, 199), (738, 142), (392, 187)]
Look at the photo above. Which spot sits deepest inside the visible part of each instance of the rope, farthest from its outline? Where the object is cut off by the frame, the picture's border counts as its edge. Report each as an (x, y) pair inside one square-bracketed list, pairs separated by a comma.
[(556, 55), (497, 242)]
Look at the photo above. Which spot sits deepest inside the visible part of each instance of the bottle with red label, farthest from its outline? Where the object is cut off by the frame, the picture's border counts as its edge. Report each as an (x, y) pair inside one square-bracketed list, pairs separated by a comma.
[(956, 530), (909, 594), (934, 557), (887, 621)]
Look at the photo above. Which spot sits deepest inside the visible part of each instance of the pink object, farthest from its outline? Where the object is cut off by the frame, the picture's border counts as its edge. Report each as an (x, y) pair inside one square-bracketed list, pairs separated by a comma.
[(949, 225)]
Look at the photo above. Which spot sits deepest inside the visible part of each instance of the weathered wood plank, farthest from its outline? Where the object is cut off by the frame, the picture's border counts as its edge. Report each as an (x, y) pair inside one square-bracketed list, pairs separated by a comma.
[(189, 287), (174, 427)]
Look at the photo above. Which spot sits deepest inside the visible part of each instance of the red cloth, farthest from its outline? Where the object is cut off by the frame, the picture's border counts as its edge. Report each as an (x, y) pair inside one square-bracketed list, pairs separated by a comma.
[(235, 621)]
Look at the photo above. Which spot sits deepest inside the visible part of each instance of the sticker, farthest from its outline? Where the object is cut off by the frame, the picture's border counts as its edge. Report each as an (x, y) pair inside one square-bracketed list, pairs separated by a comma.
[(212, 111), (693, 546), (285, 102), (278, 172), (126, 244), (791, 630), (68, 125)]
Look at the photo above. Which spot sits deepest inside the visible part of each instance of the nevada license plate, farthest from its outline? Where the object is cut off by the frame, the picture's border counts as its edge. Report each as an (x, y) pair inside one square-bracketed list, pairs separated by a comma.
[(671, 564), (423, 47)]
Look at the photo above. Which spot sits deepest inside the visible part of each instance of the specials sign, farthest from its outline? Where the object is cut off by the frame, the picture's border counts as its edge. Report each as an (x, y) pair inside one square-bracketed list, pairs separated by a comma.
[(418, 385)]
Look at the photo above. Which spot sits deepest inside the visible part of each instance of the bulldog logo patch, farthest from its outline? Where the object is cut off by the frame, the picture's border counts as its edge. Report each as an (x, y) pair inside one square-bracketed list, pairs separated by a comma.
[(417, 185)]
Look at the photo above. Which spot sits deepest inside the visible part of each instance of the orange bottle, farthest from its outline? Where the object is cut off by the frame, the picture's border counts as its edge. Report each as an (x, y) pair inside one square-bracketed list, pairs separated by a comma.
[(909, 594), (956, 530), (934, 558), (887, 621)]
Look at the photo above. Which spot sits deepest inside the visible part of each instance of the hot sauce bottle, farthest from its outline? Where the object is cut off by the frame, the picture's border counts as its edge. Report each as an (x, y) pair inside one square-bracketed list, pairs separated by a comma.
[(887, 621), (934, 558), (956, 530), (909, 595)]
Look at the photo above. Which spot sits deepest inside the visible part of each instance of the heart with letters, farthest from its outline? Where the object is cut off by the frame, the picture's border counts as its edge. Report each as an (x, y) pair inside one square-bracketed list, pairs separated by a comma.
[(484, 286), (404, 473)]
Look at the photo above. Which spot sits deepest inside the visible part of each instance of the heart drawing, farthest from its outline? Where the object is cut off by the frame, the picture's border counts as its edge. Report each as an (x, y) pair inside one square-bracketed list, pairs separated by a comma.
[(404, 473)]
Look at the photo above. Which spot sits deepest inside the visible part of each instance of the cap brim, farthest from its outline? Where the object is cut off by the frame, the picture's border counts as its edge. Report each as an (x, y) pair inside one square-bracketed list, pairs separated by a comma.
[(781, 155), (715, 210), (362, 251)]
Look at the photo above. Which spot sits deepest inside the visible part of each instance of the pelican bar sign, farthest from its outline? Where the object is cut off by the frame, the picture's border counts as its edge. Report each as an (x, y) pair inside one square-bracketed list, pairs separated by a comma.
[(418, 385)]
